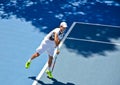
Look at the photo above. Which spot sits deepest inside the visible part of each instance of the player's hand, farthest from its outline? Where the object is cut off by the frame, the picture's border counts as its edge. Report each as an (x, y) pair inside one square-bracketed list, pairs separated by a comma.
[(58, 51)]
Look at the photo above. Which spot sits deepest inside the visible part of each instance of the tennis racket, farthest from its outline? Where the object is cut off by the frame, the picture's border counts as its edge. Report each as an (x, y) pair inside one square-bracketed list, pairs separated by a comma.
[(54, 62)]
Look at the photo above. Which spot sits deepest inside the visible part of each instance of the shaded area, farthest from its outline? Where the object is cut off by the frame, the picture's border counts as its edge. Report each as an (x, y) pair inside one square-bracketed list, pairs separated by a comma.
[(92, 32), (117, 1), (55, 82), (47, 14)]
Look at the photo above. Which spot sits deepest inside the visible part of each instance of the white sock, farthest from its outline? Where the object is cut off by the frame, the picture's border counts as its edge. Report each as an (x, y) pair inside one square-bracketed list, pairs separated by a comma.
[(49, 68), (29, 60)]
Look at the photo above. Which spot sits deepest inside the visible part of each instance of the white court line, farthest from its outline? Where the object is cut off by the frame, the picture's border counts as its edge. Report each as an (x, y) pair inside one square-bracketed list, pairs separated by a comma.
[(98, 24), (95, 41), (45, 66)]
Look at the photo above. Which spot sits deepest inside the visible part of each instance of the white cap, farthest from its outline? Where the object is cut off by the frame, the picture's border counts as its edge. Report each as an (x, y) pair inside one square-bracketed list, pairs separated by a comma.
[(63, 24)]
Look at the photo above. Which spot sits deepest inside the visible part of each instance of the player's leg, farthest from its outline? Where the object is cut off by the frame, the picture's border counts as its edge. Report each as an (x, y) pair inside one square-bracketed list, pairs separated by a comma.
[(27, 65), (49, 70), (39, 51), (34, 55), (50, 62)]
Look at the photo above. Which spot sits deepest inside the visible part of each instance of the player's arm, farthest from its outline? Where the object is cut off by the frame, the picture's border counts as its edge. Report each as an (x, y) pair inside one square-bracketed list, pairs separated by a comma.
[(56, 40)]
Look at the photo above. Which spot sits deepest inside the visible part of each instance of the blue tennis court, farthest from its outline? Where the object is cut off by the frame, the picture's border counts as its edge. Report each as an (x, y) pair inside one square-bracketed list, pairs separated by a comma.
[(89, 55), (14, 51), (90, 51)]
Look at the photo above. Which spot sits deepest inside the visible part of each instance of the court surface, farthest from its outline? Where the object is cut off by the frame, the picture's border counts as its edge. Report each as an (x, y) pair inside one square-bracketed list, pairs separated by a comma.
[(18, 41), (90, 55)]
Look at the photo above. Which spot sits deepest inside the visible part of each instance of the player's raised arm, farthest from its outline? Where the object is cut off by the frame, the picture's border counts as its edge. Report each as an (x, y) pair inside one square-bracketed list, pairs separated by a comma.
[(56, 40)]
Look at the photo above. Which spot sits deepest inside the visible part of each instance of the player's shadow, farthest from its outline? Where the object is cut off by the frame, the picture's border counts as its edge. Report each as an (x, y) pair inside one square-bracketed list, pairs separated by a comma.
[(55, 82)]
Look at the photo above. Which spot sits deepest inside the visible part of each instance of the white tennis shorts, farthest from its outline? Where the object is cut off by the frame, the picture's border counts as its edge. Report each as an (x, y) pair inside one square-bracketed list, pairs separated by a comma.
[(46, 45)]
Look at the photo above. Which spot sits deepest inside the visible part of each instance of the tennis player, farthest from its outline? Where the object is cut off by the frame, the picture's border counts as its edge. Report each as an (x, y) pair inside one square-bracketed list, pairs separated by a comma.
[(49, 43)]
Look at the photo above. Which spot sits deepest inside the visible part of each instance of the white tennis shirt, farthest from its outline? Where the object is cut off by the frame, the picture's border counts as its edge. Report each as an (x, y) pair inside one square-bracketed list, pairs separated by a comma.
[(51, 34), (48, 43)]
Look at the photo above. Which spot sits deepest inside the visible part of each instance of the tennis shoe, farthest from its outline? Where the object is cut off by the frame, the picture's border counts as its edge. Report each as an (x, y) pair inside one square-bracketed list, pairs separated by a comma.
[(27, 65), (49, 74)]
